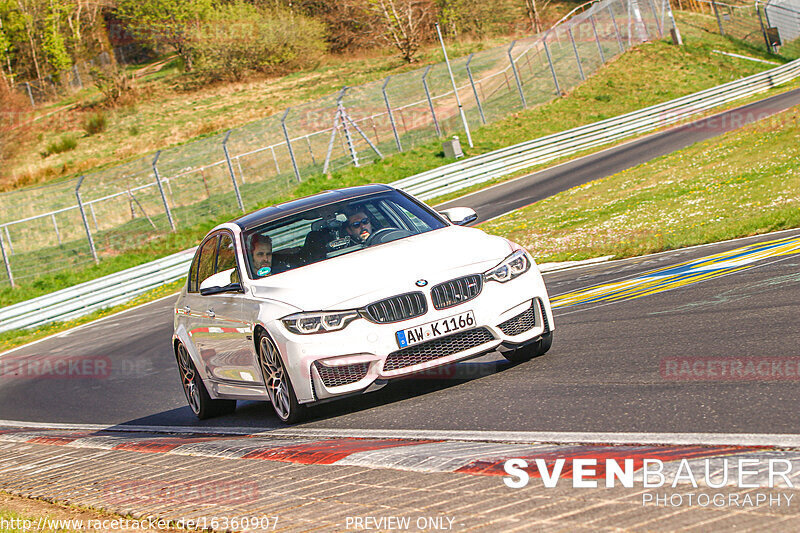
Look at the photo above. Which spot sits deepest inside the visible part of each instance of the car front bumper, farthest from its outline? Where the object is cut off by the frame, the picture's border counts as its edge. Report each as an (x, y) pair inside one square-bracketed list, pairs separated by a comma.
[(364, 355)]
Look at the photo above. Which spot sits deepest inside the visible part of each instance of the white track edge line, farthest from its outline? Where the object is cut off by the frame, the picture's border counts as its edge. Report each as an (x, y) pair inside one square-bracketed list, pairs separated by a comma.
[(556, 437)]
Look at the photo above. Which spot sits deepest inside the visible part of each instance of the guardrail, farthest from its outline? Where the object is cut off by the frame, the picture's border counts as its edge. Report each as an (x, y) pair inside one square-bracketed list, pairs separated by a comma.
[(122, 286), (103, 292), (478, 169)]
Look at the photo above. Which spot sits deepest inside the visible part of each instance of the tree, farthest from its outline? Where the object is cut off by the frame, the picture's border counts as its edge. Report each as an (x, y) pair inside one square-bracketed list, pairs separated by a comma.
[(534, 9), (407, 23), (53, 44), (165, 22)]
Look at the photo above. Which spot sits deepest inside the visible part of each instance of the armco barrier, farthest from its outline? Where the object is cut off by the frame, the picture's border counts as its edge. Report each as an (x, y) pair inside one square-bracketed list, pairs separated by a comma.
[(122, 286), (103, 292), (478, 169)]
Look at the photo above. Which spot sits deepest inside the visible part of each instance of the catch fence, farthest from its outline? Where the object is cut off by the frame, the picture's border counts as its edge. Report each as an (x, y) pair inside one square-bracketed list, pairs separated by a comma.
[(773, 25), (60, 226)]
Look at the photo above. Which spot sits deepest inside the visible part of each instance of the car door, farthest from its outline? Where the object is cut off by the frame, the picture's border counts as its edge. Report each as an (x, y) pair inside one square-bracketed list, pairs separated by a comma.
[(227, 345)]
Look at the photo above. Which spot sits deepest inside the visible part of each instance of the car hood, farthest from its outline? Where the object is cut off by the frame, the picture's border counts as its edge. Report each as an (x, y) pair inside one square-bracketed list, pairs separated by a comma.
[(358, 278)]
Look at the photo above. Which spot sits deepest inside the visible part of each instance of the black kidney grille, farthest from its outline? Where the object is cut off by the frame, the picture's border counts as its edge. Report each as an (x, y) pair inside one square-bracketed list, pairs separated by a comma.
[(335, 376), (437, 348), (520, 323), (456, 291), (397, 308)]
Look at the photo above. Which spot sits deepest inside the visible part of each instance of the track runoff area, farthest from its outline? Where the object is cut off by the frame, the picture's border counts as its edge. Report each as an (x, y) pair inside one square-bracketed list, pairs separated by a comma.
[(723, 293)]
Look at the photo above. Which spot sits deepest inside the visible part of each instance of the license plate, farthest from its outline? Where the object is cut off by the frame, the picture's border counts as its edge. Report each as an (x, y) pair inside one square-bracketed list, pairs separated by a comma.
[(435, 329)]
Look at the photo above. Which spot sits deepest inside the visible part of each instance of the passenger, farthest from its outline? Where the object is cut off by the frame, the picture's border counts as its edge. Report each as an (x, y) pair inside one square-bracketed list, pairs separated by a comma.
[(358, 225), (261, 254)]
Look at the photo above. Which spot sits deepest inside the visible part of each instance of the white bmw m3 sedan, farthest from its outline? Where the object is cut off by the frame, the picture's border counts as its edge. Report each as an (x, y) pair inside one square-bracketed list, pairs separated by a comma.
[(338, 293)]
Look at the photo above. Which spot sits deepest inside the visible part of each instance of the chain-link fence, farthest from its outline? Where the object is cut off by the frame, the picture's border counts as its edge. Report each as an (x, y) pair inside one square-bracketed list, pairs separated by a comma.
[(74, 79), (59, 226), (774, 25)]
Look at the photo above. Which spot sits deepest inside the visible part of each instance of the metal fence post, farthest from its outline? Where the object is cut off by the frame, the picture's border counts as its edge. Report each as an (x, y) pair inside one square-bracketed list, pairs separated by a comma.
[(55, 226), (550, 62), (516, 75), (7, 263), (391, 115), (289, 143), (475, 90), (678, 38), (343, 118), (575, 49), (30, 94), (161, 191), (430, 101), (616, 29), (719, 20), (8, 238), (455, 89), (86, 222), (763, 29), (655, 16), (230, 169), (597, 40)]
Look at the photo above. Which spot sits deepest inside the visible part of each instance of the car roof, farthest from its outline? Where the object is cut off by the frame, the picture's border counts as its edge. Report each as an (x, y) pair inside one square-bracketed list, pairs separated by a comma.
[(268, 214)]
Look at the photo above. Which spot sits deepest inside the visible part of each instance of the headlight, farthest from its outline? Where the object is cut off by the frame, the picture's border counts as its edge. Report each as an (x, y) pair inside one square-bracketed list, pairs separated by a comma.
[(321, 322), (511, 267)]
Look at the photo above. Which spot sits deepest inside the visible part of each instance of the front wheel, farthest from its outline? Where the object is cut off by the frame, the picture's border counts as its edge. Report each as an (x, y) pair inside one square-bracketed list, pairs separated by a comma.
[(199, 400), (279, 387), (529, 351)]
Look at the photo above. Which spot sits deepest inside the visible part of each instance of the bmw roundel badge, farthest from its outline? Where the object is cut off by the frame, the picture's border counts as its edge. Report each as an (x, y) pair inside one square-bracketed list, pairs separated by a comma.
[(421, 282)]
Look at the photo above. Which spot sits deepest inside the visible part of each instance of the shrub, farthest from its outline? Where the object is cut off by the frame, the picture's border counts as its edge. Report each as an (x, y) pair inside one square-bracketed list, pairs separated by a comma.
[(95, 123), (112, 83), (241, 37), (66, 143)]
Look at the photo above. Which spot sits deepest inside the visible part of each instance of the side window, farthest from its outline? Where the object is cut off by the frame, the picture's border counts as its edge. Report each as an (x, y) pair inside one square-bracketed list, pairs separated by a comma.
[(420, 225), (226, 258), (208, 254), (193, 272)]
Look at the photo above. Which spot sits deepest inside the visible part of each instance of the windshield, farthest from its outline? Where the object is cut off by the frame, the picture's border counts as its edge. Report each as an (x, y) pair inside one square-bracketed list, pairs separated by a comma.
[(336, 229)]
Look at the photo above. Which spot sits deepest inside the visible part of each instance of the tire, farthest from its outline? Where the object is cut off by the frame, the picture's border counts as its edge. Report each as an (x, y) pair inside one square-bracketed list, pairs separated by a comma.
[(279, 386), (529, 351), (200, 401)]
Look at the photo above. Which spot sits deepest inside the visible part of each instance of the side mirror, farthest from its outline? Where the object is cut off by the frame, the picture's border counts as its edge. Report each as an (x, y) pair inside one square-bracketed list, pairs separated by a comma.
[(231, 287), (225, 281), (460, 216)]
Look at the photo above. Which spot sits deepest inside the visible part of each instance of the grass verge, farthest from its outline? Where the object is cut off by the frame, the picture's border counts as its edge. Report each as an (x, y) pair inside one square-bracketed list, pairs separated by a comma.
[(742, 183), (24, 515)]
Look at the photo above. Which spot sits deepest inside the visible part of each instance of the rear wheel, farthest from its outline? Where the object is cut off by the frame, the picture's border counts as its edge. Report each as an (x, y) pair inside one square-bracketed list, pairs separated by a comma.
[(279, 386), (199, 400), (529, 351)]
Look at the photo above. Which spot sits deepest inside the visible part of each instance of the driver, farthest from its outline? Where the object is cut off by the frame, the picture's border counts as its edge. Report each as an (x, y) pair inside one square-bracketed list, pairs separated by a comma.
[(358, 225), (261, 254)]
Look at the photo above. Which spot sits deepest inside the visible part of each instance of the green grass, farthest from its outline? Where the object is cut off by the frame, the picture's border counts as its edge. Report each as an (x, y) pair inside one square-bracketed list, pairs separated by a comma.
[(742, 183), (635, 80)]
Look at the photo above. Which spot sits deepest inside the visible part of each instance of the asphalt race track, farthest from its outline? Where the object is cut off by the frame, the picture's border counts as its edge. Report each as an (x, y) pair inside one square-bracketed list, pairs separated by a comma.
[(624, 359)]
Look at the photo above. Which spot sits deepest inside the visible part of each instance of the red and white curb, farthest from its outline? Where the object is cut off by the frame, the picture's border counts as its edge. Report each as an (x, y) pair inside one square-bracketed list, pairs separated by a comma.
[(428, 455)]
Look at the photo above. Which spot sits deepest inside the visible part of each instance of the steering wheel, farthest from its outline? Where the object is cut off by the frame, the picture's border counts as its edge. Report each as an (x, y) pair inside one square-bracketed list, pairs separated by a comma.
[(386, 235)]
